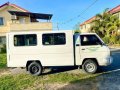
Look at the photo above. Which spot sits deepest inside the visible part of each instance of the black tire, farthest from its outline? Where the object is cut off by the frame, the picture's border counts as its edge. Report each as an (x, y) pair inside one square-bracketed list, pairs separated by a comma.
[(35, 69), (90, 66)]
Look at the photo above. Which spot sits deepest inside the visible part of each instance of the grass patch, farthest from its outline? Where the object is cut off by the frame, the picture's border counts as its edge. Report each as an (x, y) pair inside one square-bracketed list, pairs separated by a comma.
[(67, 77), (16, 82), (3, 60), (24, 81)]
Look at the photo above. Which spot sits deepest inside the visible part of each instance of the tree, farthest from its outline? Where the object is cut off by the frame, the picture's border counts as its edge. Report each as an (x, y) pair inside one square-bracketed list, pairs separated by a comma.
[(106, 25), (77, 28)]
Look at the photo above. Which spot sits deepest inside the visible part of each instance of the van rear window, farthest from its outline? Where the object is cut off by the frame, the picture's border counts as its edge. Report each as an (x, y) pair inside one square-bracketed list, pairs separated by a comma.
[(25, 40), (54, 39)]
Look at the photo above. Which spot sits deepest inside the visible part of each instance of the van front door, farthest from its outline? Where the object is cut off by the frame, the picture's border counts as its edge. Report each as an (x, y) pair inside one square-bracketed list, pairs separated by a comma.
[(91, 46)]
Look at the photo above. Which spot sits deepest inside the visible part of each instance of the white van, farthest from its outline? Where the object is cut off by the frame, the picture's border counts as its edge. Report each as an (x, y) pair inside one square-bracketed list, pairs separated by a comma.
[(37, 49)]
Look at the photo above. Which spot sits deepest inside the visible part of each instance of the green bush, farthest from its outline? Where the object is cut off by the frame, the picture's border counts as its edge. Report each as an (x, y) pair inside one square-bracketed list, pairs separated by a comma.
[(77, 31), (115, 39), (3, 49), (3, 61), (106, 39), (118, 39)]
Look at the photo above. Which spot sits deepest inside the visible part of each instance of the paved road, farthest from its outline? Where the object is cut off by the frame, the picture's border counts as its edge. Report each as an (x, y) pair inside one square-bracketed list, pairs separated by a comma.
[(109, 81), (116, 61)]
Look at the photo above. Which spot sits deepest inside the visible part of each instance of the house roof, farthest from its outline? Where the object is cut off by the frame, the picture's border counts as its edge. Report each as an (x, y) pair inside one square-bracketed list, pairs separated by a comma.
[(112, 11), (16, 6), (115, 10), (24, 12), (88, 21), (32, 15)]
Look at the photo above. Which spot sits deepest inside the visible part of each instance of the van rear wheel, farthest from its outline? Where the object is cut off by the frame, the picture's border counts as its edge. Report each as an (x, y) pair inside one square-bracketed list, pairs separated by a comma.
[(35, 69), (90, 66)]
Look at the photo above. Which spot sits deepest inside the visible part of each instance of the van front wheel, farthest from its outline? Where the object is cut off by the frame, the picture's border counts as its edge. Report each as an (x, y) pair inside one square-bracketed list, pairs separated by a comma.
[(35, 69), (89, 66)]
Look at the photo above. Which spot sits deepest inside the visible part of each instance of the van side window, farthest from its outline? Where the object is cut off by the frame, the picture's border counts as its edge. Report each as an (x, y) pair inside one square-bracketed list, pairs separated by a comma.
[(53, 39), (87, 40), (25, 40)]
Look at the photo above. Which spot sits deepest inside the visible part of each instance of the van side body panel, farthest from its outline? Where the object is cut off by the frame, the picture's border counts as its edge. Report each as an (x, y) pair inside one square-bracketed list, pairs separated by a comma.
[(48, 55)]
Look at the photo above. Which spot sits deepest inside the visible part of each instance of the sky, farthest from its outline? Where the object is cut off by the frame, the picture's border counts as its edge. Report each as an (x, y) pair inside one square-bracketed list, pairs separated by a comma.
[(65, 12)]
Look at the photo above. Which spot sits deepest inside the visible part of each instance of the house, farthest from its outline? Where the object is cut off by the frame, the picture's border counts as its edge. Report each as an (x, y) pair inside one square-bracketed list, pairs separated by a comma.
[(85, 26), (13, 17)]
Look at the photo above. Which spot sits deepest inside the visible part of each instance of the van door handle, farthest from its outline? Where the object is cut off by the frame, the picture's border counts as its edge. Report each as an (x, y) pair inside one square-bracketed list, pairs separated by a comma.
[(83, 49), (77, 44)]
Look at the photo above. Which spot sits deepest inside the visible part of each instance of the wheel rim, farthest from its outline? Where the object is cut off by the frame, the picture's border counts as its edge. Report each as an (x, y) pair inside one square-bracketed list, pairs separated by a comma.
[(90, 67), (34, 69)]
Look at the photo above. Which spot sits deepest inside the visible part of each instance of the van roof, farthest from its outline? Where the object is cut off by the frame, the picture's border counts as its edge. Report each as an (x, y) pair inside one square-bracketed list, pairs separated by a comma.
[(55, 31), (38, 31)]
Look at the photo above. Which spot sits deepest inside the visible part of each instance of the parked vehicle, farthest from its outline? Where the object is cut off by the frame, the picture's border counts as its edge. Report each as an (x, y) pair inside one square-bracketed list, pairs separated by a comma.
[(37, 49)]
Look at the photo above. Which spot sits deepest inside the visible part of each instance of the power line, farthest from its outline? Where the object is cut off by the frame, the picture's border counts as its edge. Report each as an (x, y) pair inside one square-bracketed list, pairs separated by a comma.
[(14, 1), (80, 15), (84, 11)]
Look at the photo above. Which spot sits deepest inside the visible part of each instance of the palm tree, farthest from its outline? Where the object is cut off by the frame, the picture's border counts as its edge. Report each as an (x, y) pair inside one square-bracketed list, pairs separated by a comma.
[(105, 24)]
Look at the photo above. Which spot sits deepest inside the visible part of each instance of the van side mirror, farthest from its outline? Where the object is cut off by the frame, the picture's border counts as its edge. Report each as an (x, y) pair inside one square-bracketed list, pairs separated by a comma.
[(103, 44)]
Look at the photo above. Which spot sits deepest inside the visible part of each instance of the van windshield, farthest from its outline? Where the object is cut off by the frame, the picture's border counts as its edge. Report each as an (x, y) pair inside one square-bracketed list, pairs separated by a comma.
[(90, 40)]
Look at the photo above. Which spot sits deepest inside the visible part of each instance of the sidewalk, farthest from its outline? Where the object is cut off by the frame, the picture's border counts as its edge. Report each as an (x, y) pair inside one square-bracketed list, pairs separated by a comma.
[(114, 49)]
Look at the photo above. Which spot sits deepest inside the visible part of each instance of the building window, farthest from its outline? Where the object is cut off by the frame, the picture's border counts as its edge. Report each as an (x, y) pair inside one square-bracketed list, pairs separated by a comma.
[(53, 39), (25, 40), (22, 20), (87, 40), (1, 21), (2, 40)]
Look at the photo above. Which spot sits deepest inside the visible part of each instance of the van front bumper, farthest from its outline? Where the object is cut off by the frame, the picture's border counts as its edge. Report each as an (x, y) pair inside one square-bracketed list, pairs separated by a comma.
[(106, 61), (109, 61)]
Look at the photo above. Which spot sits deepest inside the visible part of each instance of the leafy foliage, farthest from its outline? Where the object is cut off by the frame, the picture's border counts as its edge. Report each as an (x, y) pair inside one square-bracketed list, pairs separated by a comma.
[(76, 28), (106, 26), (77, 31), (3, 60), (3, 49)]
